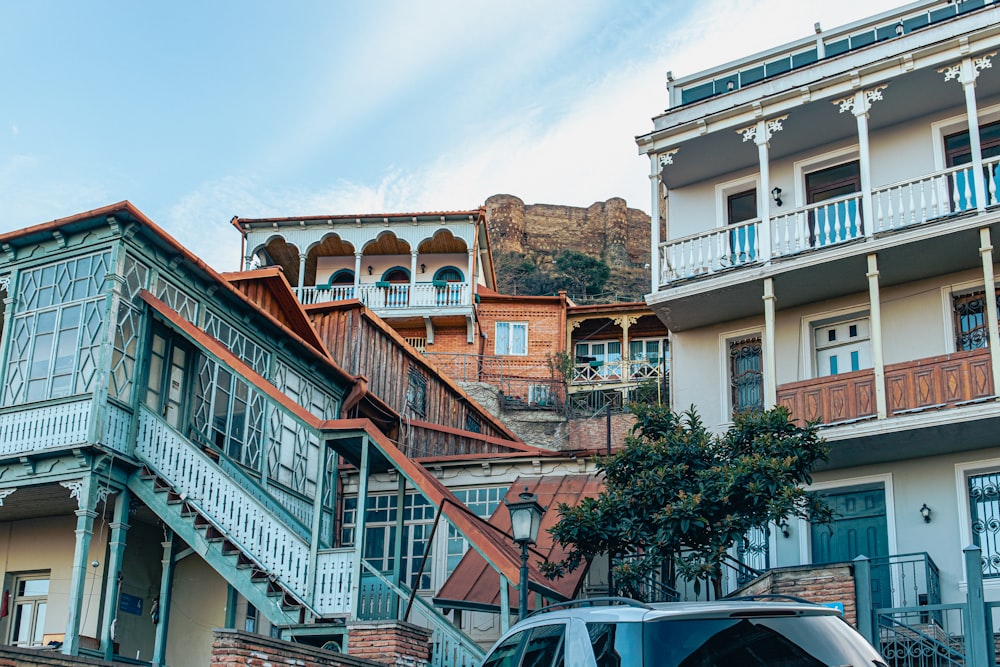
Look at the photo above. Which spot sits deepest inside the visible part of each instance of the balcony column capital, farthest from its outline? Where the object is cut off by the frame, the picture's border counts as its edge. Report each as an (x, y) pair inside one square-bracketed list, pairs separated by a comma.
[(761, 132), (860, 103), (967, 71)]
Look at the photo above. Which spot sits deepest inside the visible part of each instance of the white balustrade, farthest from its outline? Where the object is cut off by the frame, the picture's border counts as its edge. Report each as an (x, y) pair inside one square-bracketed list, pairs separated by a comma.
[(117, 421), (25, 429), (245, 520), (933, 196), (708, 252), (333, 582), (818, 225), (392, 296)]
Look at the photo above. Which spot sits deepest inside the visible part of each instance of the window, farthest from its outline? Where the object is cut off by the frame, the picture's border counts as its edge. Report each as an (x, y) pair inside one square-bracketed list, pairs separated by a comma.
[(448, 274), (958, 151), (648, 358), (482, 502), (168, 367), (56, 331), (740, 207), (842, 347), (229, 413), (511, 338), (539, 394), (28, 609), (416, 392), (984, 508), (380, 534), (342, 277), (599, 360), (971, 329), (841, 220), (746, 379), (472, 424)]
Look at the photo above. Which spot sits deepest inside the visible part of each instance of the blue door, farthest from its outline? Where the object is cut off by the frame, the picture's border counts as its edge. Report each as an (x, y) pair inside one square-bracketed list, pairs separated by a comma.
[(859, 529)]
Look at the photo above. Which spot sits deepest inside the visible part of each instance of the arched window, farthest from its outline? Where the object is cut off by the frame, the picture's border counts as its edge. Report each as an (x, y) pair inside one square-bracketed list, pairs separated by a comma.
[(449, 274), (396, 274), (342, 277)]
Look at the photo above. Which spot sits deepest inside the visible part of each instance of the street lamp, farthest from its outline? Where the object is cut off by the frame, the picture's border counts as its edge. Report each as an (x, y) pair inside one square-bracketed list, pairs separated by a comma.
[(525, 517)]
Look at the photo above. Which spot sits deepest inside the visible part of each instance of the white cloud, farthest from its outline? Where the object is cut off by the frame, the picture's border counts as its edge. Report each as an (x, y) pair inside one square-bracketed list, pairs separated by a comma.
[(14, 130)]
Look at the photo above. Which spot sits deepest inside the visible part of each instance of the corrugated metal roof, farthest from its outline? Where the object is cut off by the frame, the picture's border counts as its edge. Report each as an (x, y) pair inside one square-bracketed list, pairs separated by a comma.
[(475, 585)]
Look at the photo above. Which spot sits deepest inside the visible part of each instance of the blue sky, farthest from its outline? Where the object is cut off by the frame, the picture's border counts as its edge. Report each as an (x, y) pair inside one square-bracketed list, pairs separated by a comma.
[(198, 111)]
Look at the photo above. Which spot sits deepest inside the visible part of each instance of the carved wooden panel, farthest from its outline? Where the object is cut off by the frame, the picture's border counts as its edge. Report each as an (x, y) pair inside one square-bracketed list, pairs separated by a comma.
[(939, 381)]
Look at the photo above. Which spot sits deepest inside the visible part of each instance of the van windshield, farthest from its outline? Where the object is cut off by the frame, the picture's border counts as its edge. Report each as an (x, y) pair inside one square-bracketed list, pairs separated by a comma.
[(793, 641)]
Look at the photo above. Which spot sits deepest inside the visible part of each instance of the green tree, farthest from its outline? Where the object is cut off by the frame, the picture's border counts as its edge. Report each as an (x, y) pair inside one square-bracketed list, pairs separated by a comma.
[(583, 274), (678, 496)]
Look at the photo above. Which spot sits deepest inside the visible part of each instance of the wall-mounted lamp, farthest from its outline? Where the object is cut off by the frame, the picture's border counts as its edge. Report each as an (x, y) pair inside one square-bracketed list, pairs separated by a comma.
[(925, 512), (369, 269), (423, 268), (899, 29), (776, 195), (783, 527)]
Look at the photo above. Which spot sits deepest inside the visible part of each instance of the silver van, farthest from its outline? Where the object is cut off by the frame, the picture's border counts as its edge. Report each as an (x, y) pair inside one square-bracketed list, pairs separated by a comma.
[(615, 632)]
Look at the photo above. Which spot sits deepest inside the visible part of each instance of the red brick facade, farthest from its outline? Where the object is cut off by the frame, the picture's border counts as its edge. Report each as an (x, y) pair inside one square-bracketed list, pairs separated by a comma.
[(591, 434), (390, 642), (233, 648)]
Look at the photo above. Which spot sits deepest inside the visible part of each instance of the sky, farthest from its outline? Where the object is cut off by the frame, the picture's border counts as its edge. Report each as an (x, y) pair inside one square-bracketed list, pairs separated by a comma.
[(199, 111)]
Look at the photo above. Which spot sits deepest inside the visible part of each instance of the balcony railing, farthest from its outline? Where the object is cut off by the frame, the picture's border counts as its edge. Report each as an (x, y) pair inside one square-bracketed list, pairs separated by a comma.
[(829, 223), (391, 296), (949, 380), (619, 371)]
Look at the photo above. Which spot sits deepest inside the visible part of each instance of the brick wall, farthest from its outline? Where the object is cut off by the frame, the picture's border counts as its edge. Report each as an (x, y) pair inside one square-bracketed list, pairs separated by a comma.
[(592, 433), (234, 648), (816, 583), (390, 642), (11, 656)]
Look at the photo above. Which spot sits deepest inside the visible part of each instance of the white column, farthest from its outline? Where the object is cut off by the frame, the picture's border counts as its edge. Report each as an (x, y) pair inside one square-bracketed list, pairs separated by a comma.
[(770, 366), (470, 277), (860, 103), (761, 133), (357, 273), (302, 273), (875, 305), (660, 208), (989, 289), (966, 72), (413, 279), (247, 262)]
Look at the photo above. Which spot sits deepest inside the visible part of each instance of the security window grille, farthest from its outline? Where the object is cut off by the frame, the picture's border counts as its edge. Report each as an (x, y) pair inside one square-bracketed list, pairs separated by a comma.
[(472, 424), (971, 329), (416, 392), (984, 511), (745, 375)]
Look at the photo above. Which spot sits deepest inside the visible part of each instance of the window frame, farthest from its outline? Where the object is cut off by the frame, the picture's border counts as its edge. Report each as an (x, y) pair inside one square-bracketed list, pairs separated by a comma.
[(512, 324), (17, 600), (731, 388), (821, 323)]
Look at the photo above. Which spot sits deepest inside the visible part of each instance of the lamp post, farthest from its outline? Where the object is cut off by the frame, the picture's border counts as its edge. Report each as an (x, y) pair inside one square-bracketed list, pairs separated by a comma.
[(525, 517)]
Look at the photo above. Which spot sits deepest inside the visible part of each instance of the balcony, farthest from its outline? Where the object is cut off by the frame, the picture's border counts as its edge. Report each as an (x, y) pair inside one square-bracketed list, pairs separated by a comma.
[(818, 227), (391, 299), (945, 381)]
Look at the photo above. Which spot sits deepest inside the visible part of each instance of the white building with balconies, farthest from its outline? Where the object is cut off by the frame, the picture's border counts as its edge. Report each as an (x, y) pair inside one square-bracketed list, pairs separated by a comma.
[(827, 214)]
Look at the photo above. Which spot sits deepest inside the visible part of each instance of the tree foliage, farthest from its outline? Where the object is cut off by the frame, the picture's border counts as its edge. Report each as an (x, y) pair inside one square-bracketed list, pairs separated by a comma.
[(678, 494), (582, 273)]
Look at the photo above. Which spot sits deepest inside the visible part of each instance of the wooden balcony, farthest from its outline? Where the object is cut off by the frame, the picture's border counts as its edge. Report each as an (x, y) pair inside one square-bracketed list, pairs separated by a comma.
[(945, 381)]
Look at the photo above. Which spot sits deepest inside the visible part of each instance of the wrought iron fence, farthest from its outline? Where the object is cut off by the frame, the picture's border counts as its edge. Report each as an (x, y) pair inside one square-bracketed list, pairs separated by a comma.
[(924, 636)]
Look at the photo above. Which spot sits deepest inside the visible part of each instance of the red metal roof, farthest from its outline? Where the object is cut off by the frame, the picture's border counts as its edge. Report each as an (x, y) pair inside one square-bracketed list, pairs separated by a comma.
[(476, 585)]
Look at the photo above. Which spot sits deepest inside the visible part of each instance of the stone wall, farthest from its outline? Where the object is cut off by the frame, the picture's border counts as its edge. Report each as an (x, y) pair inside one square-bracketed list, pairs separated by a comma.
[(833, 582), (234, 648), (610, 231)]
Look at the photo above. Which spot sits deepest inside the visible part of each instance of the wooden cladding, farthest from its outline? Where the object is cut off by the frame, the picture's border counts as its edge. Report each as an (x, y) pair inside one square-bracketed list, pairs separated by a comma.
[(831, 399), (935, 382)]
